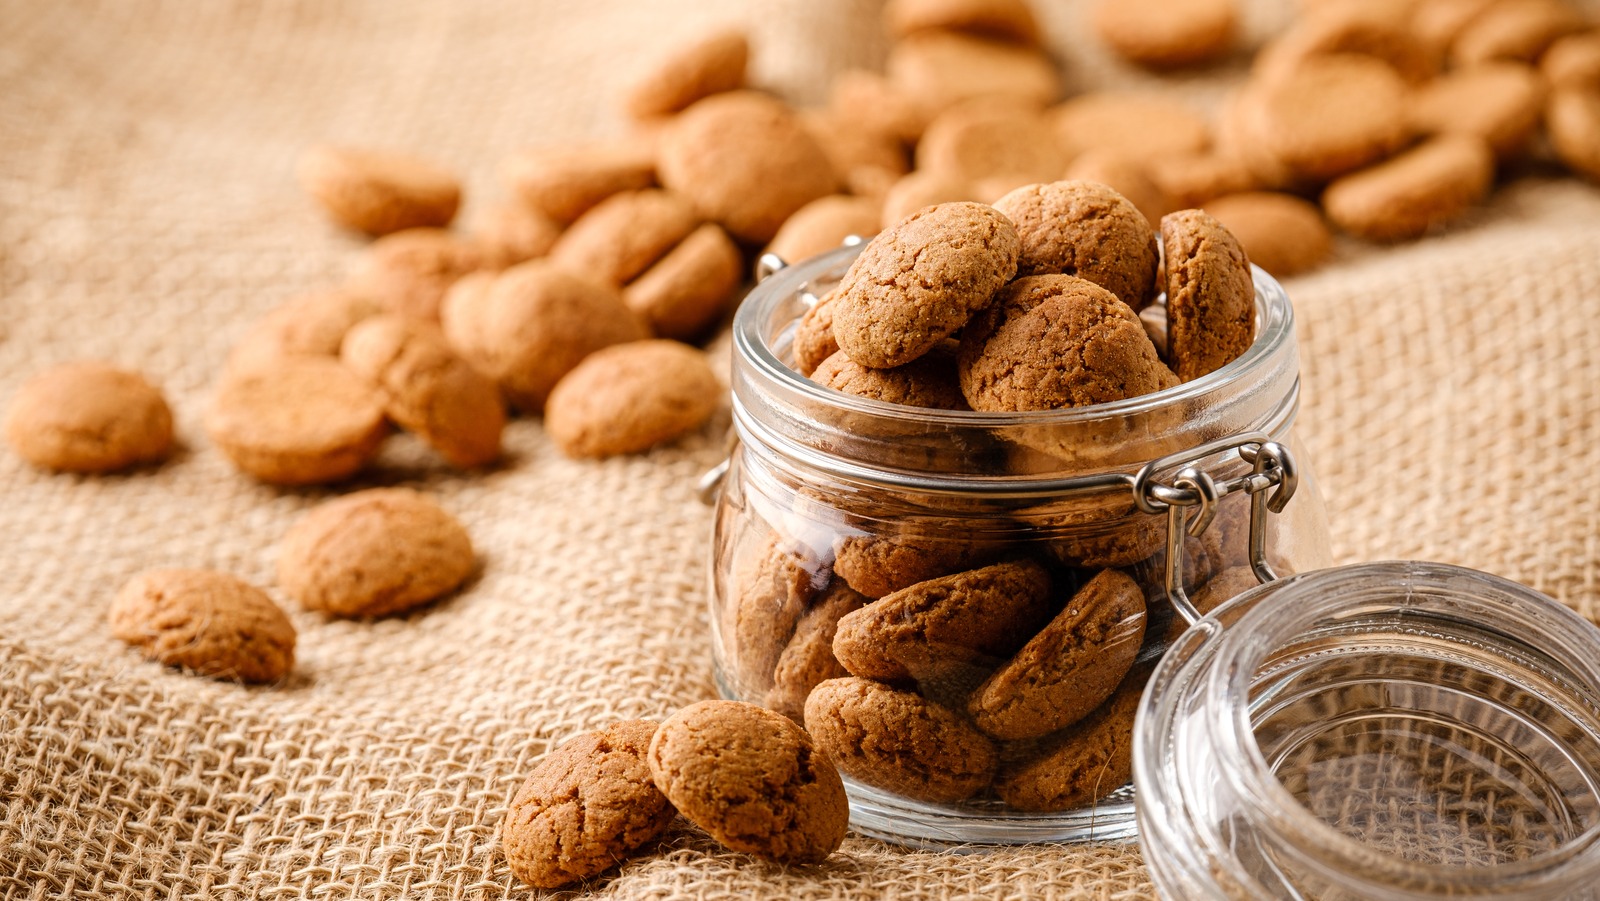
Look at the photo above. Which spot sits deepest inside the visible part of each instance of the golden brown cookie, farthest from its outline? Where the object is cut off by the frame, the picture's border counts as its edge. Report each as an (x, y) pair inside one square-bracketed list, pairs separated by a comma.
[(813, 335), (1573, 62), (1068, 668), (745, 161), (1327, 116), (1429, 185), (1007, 20), (408, 272), (1573, 122), (867, 157), (1138, 124), (1224, 587), (1193, 179), (306, 421), (863, 99), (711, 65), (428, 389), (1355, 28), (205, 621), (688, 290), (1499, 102), (1083, 764), (923, 189), (1281, 233), (822, 225), (378, 193), (624, 234), (808, 657), (899, 741), (985, 139), (1211, 300), (311, 325), (512, 233), (1167, 33), (877, 565), (374, 553), (532, 324), (1054, 341), (1085, 229), (919, 281), (587, 806), (89, 417), (631, 397), (928, 381), (566, 182), (770, 590), (1128, 177), (937, 69), (751, 778), (1517, 30), (1098, 531)]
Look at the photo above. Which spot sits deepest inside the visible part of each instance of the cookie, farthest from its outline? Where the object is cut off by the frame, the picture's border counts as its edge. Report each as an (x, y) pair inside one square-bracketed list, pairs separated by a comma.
[(89, 417), (746, 162), (899, 741), (1128, 177), (1165, 34), (377, 192), (1573, 62), (631, 397), (1006, 20), (1354, 28), (868, 158), (964, 618), (1055, 341), (1098, 531), (1224, 587), (770, 591), (1499, 102), (306, 421), (1281, 233), (532, 324), (374, 553), (813, 335), (428, 389), (688, 290), (920, 280), (408, 272), (1437, 22), (1572, 119), (1192, 179), (987, 139), (1083, 764), (877, 565), (937, 69), (864, 99), (565, 182), (822, 225), (512, 233), (207, 622), (751, 778), (928, 381), (711, 65), (808, 657), (1085, 229), (1068, 668), (587, 806), (1211, 300), (921, 189), (1422, 189), (1137, 124), (1328, 116), (312, 325), (1517, 30), (624, 234)]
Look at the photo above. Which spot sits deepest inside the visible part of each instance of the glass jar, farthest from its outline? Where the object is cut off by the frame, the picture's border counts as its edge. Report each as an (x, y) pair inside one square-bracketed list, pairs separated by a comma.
[(1383, 731), (1001, 583)]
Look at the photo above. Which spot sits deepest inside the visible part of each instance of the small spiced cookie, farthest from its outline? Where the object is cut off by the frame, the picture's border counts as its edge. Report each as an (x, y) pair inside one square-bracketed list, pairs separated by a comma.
[(205, 621), (771, 590), (1085, 229), (312, 325), (919, 281), (1355, 28), (808, 657), (897, 740), (89, 417), (876, 565), (1008, 20), (1138, 124), (427, 389), (1083, 764), (1422, 189), (1573, 62), (745, 161), (1281, 233), (306, 421), (982, 613), (1211, 300), (587, 806), (937, 69), (865, 99), (822, 225), (408, 272), (1097, 532), (379, 193), (928, 381), (711, 65), (813, 335), (624, 234), (373, 553), (868, 157), (1224, 587), (923, 189), (512, 233), (1166, 34), (1499, 102), (1517, 30), (1054, 341), (1327, 116), (688, 290), (1573, 122), (986, 139), (566, 182), (631, 397), (1070, 666), (1193, 179), (751, 778), (1128, 177)]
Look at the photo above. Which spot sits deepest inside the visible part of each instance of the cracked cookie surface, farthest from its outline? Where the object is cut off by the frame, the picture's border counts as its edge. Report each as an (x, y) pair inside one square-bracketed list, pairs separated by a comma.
[(1085, 229), (205, 621), (1211, 300)]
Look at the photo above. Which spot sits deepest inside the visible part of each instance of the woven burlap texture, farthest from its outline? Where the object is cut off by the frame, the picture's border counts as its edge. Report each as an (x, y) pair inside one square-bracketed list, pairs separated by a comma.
[(148, 213)]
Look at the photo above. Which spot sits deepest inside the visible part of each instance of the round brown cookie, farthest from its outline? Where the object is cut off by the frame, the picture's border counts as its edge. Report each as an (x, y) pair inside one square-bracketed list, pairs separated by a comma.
[(964, 618), (751, 778), (1281, 233), (1167, 33), (868, 158), (631, 397), (923, 189), (1128, 177), (864, 99), (512, 233), (1098, 532), (822, 225), (746, 161), (1085, 229), (427, 389), (1573, 122), (928, 381), (813, 335), (587, 806), (985, 138), (899, 741), (1499, 102), (1513, 30), (1238, 138), (566, 182), (1224, 587), (624, 234), (306, 421), (1055, 341), (532, 324), (1357, 28), (89, 417), (1193, 179), (1083, 764), (408, 272), (1327, 116), (1573, 62), (205, 621), (877, 565), (373, 553), (1137, 124), (1068, 668), (1427, 186), (312, 325), (937, 69), (379, 193), (1007, 20), (920, 280), (770, 590), (711, 65), (1437, 22), (1211, 300), (688, 290), (808, 657)]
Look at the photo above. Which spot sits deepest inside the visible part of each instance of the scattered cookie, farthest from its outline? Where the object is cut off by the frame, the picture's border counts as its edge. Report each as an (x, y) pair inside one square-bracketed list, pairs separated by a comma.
[(866, 99), (1573, 121), (312, 325), (1328, 116), (630, 398), (688, 290), (989, 139), (1137, 124), (1007, 20), (624, 235), (813, 335), (1422, 189), (205, 621), (1082, 764), (1281, 233), (1211, 301), (512, 233), (378, 193), (89, 417), (1517, 30), (928, 381), (1573, 62), (306, 421), (563, 183), (822, 225), (1193, 179), (408, 272), (1499, 102), (1166, 34), (711, 65), (923, 189), (1373, 30), (1128, 177), (937, 69), (869, 158), (808, 657), (1085, 229)]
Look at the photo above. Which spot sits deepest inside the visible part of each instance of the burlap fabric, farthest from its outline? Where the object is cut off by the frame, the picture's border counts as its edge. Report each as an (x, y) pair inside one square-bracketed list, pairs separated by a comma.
[(149, 214)]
